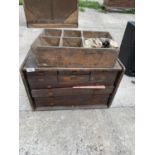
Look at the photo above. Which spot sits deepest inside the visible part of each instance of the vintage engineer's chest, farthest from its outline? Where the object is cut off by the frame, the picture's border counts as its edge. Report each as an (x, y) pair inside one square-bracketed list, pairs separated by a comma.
[(59, 72)]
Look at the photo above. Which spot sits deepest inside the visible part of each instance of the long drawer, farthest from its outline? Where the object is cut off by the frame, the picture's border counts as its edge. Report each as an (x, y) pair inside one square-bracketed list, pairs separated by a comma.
[(70, 91), (74, 100)]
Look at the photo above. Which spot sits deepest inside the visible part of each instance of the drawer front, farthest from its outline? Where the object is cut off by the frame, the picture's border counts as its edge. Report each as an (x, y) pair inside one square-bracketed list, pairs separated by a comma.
[(41, 73), (71, 91), (74, 72), (42, 81), (51, 79), (68, 79), (76, 100), (73, 77), (107, 77)]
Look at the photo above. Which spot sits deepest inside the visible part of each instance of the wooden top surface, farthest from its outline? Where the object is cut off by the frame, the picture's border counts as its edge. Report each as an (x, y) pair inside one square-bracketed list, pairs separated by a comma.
[(30, 63)]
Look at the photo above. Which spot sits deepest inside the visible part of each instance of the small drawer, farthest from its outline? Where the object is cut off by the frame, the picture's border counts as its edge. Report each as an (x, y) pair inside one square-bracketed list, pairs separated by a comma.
[(74, 72), (76, 100), (107, 77), (42, 73), (36, 82), (70, 79)]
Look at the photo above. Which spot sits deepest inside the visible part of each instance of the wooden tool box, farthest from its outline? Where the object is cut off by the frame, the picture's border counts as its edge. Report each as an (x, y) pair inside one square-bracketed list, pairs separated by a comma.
[(51, 13), (65, 48), (59, 73)]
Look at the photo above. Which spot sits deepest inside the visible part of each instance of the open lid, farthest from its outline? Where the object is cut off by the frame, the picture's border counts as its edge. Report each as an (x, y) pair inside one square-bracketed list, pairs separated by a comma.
[(51, 13)]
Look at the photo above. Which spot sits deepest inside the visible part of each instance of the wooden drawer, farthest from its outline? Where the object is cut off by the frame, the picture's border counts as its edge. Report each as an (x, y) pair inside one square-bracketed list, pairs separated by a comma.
[(42, 81), (75, 100), (73, 79), (70, 91), (49, 79), (41, 73), (73, 76), (107, 77)]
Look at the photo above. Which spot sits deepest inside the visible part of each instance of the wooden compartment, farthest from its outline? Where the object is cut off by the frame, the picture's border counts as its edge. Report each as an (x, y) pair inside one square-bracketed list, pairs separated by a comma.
[(52, 32), (47, 41), (96, 34), (64, 88), (72, 33), (51, 13), (72, 42), (65, 48)]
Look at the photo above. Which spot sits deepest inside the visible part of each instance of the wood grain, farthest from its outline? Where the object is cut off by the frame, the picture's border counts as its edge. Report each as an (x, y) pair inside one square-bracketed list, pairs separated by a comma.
[(51, 13)]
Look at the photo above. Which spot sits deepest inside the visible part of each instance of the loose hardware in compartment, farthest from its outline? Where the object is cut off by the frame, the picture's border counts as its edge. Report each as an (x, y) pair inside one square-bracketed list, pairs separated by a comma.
[(96, 34)]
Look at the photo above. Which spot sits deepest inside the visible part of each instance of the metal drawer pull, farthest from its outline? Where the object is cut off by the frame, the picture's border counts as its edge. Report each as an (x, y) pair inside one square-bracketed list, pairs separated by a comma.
[(92, 87)]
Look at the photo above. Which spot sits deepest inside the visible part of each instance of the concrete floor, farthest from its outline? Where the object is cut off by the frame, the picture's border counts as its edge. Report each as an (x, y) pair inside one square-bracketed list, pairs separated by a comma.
[(83, 132)]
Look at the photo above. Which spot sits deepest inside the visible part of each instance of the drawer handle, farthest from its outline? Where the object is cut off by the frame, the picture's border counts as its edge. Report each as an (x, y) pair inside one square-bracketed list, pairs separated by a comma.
[(91, 87), (50, 93), (74, 72), (41, 80), (73, 77)]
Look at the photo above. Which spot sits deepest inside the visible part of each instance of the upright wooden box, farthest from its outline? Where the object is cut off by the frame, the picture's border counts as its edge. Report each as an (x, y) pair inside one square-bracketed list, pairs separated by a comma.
[(51, 13), (54, 82)]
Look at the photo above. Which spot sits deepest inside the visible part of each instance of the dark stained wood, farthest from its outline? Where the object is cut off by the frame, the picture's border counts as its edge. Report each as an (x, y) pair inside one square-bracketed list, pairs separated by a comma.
[(51, 13), (69, 91), (42, 79), (42, 73), (68, 79), (72, 100), (25, 82), (51, 84), (107, 77), (117, 83)]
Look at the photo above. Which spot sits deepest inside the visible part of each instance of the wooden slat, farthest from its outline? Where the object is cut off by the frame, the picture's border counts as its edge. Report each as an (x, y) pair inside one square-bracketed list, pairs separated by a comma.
[(75, 57)]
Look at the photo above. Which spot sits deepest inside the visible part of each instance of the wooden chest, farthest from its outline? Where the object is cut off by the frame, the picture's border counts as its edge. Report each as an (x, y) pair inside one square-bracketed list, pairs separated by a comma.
[(66, 88), (51, 13), (60, 72)]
